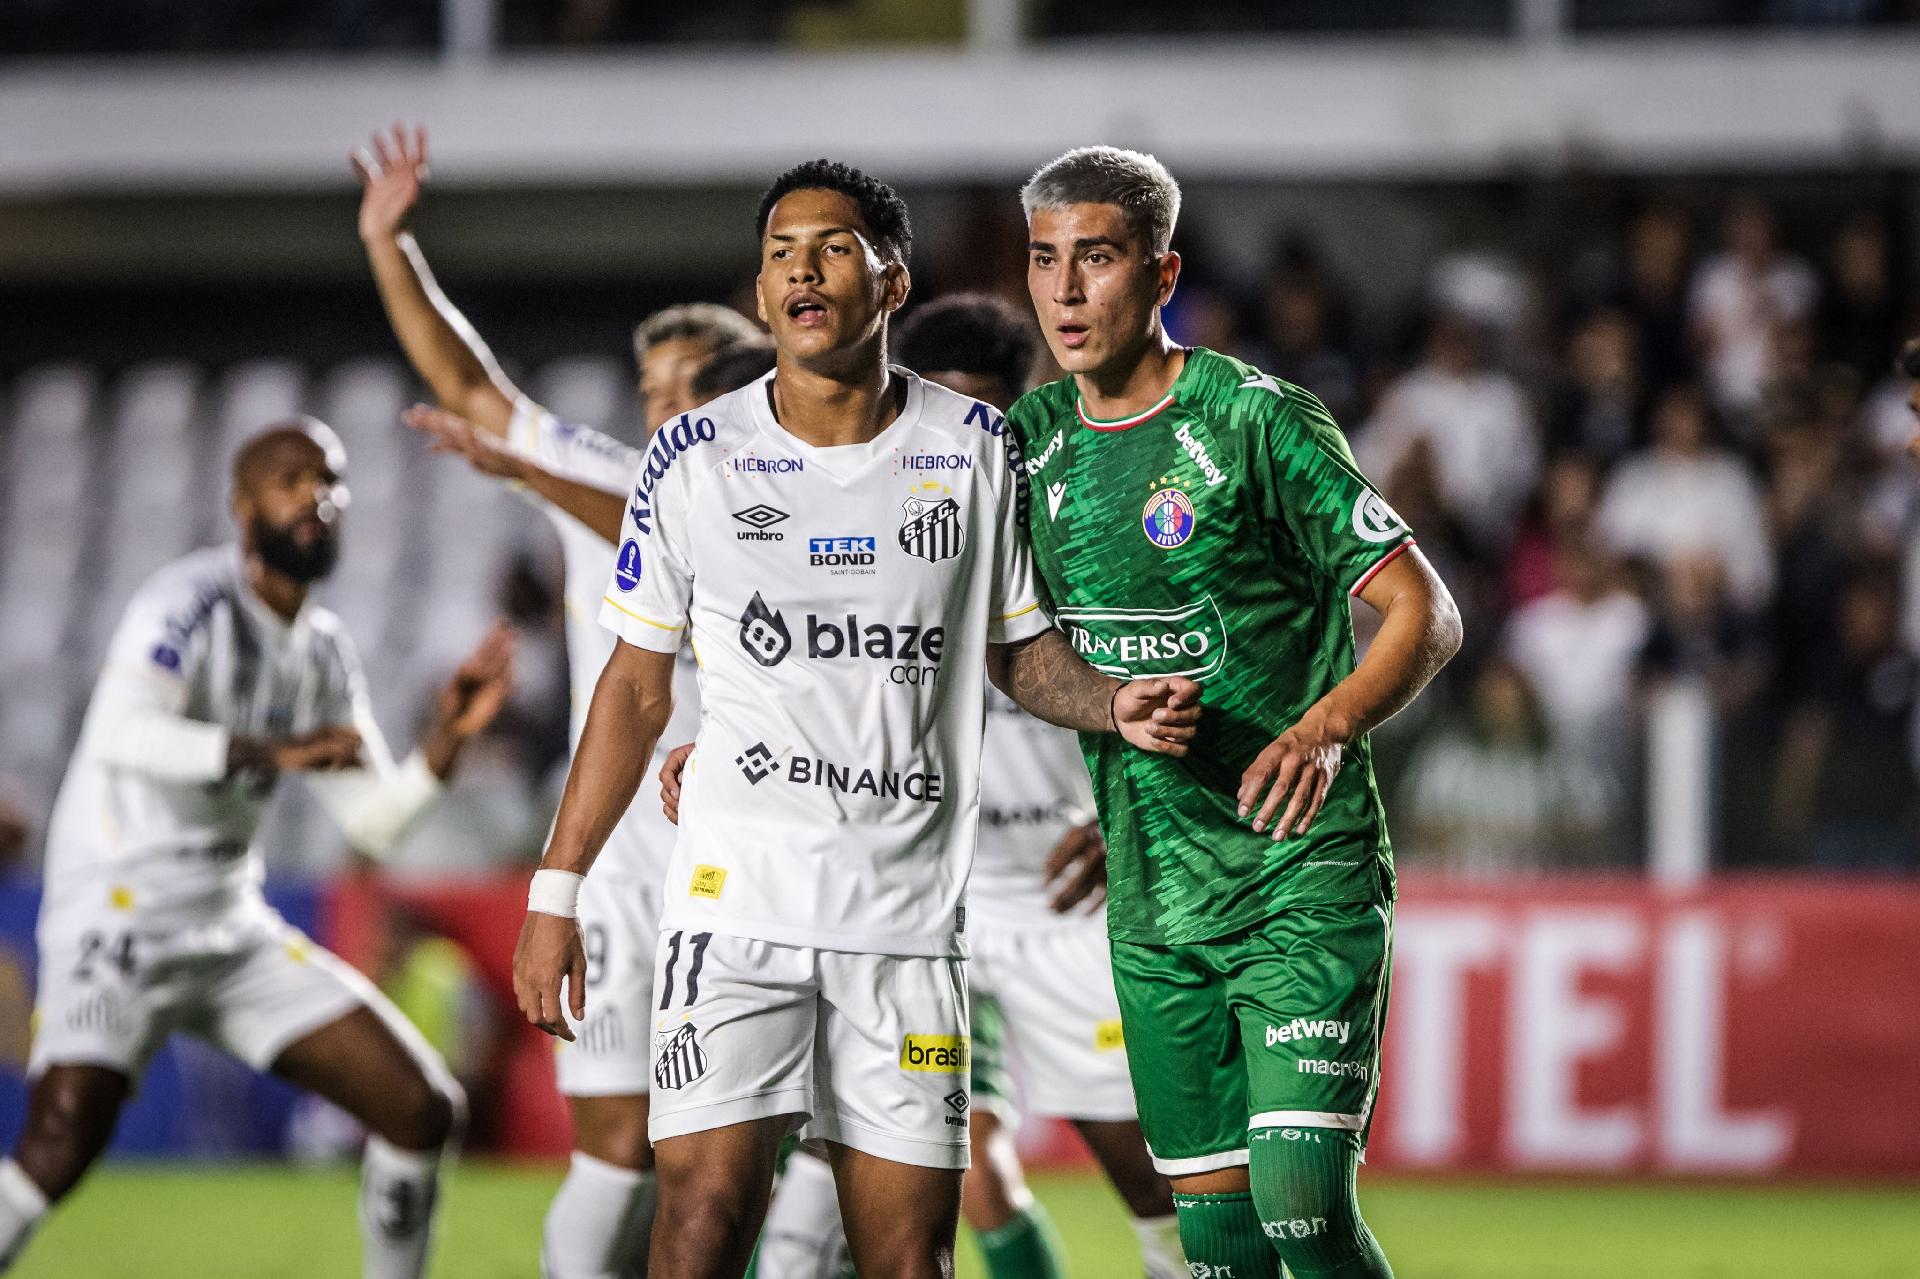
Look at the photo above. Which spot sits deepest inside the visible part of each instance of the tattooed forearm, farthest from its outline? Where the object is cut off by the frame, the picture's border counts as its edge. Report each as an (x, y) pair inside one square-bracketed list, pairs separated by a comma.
[(1047, 679)]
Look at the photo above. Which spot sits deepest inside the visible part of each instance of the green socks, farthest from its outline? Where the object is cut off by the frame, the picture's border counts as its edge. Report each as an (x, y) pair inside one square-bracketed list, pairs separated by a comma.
[(1222, 1237), (1303, 1182), (1024, 1248)]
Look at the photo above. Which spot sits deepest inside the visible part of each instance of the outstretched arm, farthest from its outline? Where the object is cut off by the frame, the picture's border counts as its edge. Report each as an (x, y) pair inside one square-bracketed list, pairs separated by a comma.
[(631, 704), (442, 347), (1047, 679), (378, 801), (446, 432), (1419, 632)]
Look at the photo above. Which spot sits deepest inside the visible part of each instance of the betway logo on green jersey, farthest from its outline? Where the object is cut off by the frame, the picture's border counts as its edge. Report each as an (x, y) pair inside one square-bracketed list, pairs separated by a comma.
[(1142, 643), (1198, 452)]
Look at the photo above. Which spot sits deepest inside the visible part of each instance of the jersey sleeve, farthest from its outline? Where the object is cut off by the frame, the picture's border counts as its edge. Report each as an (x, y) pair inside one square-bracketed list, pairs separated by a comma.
[(135, 719), (1014, 609), (1310, 486), (570, 450), (648, 597)]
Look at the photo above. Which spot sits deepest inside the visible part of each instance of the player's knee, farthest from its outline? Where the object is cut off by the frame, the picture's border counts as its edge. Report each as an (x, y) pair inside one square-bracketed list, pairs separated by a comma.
[(613, 1133), (710, 1217), (427, 1114)]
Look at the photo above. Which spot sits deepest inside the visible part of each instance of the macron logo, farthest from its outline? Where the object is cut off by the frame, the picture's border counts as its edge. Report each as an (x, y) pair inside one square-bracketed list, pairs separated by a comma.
[(1302, 1028), (1056, 493)]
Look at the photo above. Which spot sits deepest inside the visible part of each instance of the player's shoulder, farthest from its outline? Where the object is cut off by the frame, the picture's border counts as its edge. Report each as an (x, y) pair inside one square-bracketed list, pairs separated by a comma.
[(959, 423), (698, 441), (1043, 408), (1236, 397), (192, 587)]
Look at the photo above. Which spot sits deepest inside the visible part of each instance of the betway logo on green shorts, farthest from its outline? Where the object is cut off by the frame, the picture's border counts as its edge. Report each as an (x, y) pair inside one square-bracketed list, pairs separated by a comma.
[(1303, 1028), (1143, 643), (946, 1054)]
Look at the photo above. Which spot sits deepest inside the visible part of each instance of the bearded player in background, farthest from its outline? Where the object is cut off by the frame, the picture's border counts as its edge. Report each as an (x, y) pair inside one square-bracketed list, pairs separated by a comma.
[(221, 677)]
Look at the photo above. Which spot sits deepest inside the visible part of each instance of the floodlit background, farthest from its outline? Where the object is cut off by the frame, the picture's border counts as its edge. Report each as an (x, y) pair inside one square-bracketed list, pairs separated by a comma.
[(1605, 293)]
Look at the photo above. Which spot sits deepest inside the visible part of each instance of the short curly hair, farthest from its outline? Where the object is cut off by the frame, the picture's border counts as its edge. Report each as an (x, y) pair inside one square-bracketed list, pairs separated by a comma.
[(968, 333), (881, 207)]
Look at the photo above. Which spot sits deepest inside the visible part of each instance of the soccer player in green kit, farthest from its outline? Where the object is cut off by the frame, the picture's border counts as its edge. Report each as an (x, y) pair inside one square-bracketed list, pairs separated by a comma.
[(1192, 515)]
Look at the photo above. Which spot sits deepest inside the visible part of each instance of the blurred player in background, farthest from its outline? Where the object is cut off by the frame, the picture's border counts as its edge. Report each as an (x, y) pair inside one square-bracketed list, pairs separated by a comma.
[(843, 542), (601, 1218), (1038, 979), (1908, 366), (1195, 516), (221, 677)]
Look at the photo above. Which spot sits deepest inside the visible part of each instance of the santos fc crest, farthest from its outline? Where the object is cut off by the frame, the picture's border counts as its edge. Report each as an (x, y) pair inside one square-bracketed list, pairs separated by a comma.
[(932, 530)]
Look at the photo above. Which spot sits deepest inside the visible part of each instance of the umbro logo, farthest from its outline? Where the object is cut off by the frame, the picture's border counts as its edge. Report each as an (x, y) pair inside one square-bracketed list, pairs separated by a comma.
[(1265, 381), (958, 1100), (756, 763), (1056, 493), (760, 518)]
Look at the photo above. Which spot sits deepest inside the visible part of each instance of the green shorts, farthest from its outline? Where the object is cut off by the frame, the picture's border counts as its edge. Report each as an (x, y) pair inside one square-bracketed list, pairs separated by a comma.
[(1274, 1027)]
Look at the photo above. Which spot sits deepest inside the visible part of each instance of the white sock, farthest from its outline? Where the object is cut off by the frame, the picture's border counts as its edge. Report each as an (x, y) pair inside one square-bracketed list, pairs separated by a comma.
[(803, 1237), (397, 1192), (1160, 1246), (22, 1204), (599, 1223)]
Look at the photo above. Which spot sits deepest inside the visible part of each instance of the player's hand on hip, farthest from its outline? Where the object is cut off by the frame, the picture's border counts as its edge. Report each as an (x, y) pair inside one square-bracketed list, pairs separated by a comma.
[(1296, 769), (391, 173), (1158, 715), (1076, 869), (450, 433), (550, 950), (670, 770)]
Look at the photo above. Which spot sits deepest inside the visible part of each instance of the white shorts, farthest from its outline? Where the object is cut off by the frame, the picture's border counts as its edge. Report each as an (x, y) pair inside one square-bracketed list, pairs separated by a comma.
[(113, 986), (1051, 992), (620, 926), (868, 1050)]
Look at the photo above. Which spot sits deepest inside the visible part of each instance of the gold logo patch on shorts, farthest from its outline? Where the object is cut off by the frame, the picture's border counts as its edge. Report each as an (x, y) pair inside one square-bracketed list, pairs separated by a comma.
[(929, 1054), (1107, 1036), (707, 882)]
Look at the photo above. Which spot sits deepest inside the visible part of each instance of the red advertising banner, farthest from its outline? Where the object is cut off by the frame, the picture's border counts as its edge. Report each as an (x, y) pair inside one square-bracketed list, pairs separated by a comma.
[(1753, 1026)]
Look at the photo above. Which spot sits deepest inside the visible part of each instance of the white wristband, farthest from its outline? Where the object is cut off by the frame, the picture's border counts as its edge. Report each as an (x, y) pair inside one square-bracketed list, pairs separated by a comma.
[(554, 892)]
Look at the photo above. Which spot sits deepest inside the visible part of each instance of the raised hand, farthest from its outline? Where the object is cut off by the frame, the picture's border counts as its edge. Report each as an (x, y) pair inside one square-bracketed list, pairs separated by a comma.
[(1300, 766), (452, 434), (1077, 869), (392, 172), (480, 686), (1159, 714), (670, 770)]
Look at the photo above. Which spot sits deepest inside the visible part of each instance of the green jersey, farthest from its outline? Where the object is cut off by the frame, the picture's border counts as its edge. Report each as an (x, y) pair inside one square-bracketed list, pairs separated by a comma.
[(1217, 535)]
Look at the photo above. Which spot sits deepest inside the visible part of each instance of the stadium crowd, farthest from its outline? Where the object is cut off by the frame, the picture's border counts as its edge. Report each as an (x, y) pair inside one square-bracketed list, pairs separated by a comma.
[(1672, 453)]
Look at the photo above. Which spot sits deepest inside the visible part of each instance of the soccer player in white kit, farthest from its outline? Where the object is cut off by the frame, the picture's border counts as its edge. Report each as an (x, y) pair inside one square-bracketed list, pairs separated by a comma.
[(1039, 978), (602, 1215), (841, 540), (220, 677)]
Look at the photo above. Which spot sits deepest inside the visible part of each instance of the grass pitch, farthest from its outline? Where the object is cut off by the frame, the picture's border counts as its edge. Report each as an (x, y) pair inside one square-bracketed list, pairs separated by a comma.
[(136, 1221)]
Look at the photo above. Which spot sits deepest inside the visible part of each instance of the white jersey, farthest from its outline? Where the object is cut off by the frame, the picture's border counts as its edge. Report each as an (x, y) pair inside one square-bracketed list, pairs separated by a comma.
[(147, 820), (638, 846), (840, 601), (1033, 790)]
